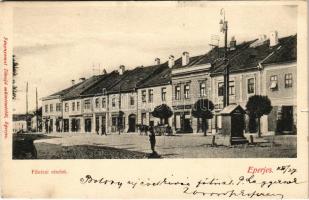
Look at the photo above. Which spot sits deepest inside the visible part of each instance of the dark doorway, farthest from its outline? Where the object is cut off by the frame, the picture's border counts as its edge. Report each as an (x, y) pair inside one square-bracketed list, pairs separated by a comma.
[(132, 123), (287, 119), (51, 125), (103, 127), (238, 125), (88, 125), (97, 124)]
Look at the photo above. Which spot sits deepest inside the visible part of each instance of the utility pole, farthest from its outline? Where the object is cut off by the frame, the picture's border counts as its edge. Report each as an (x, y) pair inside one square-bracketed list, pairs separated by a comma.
[(226, 73), (37, 110), (27, 117)]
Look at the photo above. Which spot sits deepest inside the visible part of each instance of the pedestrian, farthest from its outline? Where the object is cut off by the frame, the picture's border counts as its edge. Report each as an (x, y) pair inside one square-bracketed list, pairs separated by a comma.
[(152, 139), (103, 130)]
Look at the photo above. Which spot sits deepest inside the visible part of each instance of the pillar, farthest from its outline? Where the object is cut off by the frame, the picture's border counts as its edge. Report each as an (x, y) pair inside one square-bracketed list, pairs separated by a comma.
[(70, 125), (54, 125), (100, 125), (93, 124), (82, 125)]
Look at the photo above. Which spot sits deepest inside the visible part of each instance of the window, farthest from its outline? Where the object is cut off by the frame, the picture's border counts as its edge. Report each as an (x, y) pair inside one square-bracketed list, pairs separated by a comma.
[(113, 102), (177, 92), (51, 107), (73, 106), (202, 89), (274, 82), (97, 104), (144, 96), (131, 100), (251, 86), (150, 95), (103, 102), (87, 104), (231, 88), (58, 106), (66, 107), (163, 94), (187, 91), (77, 106), (288, 82), (220, 89), (46, 108)]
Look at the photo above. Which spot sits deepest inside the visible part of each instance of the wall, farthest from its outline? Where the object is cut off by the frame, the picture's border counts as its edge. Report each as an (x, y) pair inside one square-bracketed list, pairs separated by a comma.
[(147, 107)]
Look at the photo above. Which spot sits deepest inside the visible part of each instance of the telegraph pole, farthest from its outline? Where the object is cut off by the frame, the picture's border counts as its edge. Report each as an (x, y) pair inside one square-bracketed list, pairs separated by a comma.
[(27, 117), (226, 73), (37, 110)]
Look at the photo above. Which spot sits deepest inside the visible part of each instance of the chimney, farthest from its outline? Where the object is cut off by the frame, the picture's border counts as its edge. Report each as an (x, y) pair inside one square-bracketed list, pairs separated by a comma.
[(82, 79), (273, 38), (73, 82), (171, 61), (232, 44), (121, 69), (157, 61), (104, 71), (185, 58), (262, 38)]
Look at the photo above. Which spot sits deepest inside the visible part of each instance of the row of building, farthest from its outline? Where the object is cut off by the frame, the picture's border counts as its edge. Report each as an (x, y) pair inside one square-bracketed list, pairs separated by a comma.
[(123, 99)]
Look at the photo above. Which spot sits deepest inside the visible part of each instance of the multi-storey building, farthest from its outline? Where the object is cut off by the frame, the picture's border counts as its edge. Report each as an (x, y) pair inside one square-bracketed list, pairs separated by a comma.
[(97, 96), (252, 70), (122, 98), (155, 91), (78, 112), (52, 111), (190, 82)]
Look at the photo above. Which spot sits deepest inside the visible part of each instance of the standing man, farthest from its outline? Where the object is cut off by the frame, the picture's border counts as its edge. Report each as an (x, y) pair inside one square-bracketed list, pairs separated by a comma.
[(152, 140)]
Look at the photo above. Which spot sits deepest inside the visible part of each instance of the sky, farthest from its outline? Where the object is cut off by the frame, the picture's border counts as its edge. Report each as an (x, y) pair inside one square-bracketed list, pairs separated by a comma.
[(54, 44)]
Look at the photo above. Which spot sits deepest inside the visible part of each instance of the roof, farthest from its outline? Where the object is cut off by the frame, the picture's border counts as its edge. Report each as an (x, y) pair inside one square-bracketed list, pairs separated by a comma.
[(79, 89), (62, 92), (192, 61), (160, 78), (285, 51), (239, 59), (107, 82), (248, 57), (134, 78), (231, 109)]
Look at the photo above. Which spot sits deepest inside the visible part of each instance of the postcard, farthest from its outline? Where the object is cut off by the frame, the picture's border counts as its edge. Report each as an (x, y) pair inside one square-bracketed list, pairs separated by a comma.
[(201, 99)]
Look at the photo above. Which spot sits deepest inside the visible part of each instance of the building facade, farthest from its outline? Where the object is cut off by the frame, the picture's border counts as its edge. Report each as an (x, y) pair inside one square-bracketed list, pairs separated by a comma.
[(119, 101), (152, 93)]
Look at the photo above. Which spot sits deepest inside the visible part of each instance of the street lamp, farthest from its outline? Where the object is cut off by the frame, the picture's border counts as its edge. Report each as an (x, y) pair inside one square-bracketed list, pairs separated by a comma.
[(224, 28)]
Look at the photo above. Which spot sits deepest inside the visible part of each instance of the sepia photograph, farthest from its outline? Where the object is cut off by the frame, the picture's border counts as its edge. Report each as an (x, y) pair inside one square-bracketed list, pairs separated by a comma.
[(162, 82)]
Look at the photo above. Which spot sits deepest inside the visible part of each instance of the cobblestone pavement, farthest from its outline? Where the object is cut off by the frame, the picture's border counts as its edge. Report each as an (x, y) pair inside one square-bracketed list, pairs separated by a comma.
[(179, 146)]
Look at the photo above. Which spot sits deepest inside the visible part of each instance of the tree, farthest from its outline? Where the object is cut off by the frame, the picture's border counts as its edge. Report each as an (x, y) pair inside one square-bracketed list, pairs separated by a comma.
[(257, 106), (14, 89), (203, 109), (163, 112)]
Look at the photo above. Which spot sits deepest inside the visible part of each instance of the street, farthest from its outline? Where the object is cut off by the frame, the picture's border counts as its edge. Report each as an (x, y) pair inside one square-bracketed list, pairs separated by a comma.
[(128, 146)]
